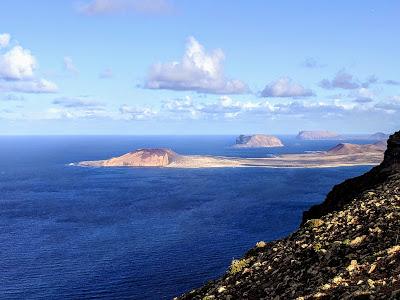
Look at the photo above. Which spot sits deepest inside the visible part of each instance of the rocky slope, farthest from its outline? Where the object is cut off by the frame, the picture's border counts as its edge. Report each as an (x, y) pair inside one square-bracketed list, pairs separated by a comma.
[(350, 249), (317, 135), (139, 158), (257, 141)]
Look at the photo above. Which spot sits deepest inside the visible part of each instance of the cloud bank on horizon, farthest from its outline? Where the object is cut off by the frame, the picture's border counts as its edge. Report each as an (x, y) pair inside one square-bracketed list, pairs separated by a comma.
[(116, 68)]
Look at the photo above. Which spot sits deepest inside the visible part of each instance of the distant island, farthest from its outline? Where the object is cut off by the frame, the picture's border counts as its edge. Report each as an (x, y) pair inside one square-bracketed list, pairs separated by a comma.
[(257, 141), (317, 135), (379, 136), (340, 155)]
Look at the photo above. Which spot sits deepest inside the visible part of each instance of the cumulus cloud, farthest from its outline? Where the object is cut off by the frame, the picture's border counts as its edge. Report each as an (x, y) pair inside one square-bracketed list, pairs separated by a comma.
[(341, 80), (285, 87), (69, 66), (197, 71), (109, 7), (4, 40), (17, 64), (76, 102), (347, 81), (17, 72)]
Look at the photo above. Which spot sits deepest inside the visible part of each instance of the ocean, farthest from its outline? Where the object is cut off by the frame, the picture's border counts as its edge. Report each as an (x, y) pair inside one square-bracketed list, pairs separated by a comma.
[(70, 232)]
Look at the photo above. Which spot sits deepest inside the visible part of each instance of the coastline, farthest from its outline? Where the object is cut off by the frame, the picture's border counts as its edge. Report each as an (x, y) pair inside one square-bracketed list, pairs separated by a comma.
[(310, 160)]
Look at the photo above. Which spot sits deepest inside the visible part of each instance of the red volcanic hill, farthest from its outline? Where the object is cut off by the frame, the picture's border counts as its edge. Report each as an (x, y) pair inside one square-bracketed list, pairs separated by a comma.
[(158, 157)]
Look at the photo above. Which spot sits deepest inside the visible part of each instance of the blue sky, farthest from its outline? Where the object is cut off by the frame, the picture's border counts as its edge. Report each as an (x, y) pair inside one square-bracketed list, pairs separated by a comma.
[(198, 67)]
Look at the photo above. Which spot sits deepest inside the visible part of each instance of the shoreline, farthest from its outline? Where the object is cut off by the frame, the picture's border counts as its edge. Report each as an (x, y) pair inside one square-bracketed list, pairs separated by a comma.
[(286, 161)]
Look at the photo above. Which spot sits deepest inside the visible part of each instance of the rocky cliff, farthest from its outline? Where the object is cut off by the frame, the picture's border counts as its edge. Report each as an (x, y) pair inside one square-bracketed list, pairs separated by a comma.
[(349, 248), (257, 141), (317, 135)]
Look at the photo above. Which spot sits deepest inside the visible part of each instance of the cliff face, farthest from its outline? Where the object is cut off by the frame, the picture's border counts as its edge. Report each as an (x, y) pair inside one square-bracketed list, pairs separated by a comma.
[(351, 252), (345, 192), (258, 141)]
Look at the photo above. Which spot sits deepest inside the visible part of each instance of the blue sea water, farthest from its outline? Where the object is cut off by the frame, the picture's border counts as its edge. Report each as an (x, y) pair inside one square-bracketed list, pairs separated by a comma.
[(130, 233)]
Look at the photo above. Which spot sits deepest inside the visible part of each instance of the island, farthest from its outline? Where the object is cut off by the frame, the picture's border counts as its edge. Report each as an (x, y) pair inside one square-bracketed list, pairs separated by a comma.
[(257, 141), (140, 158), (379, 136), (317, 135), (340, 155)]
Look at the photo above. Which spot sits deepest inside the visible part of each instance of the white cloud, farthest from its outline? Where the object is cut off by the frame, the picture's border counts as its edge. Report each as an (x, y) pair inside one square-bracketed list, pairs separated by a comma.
[(108, 7), (17, 72), (69, 66), (76, 102), (197, 71), (4, 40), (285, 87), (31, 86), (363, 95), (347, 81), (72, 113), (224, 107), (17, 64), (137, 113), (391, 106)]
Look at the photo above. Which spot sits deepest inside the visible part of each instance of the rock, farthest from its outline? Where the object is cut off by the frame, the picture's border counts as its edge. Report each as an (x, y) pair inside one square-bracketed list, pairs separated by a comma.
[(317, 135), (261, 244), (257, 141), (372, 268), (221, 289), (357, 241), (353, 266)]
